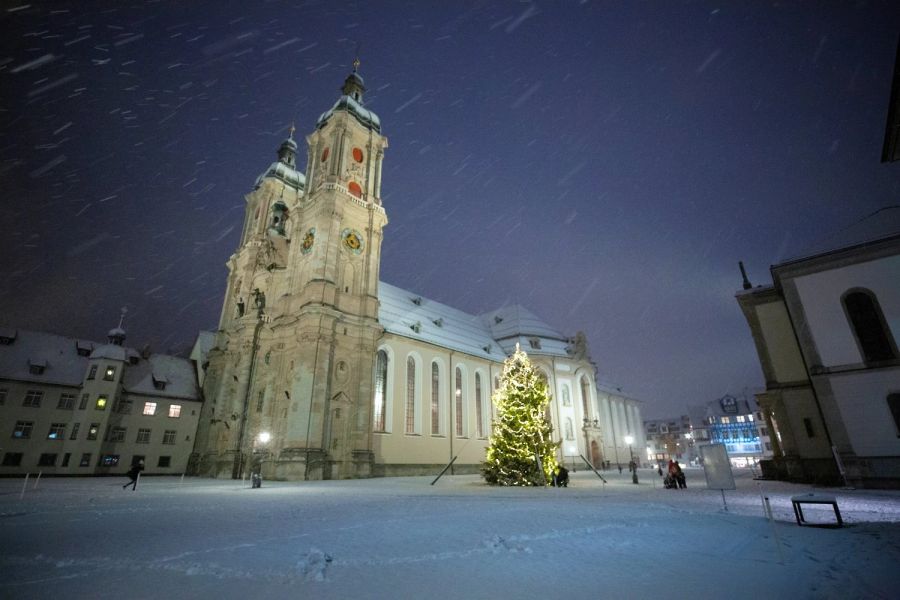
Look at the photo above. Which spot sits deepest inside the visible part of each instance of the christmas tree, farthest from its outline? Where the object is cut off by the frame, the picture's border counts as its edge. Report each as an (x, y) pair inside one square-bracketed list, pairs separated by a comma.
[(522, 451)]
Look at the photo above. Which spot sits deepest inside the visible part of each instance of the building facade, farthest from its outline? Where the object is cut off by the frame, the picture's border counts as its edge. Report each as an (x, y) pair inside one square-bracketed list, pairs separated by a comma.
[(78, 407), (825, 332), (321, 370), (736, 422), (670, 439)]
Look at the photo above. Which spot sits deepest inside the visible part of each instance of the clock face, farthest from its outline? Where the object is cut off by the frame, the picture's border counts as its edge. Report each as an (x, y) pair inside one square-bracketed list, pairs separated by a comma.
[(354, 189), (353, 240), (325, 154), (308, 240), (357, 155)]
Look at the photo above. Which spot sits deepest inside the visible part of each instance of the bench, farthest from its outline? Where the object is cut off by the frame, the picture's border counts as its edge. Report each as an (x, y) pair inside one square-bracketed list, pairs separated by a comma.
[(799, 501)]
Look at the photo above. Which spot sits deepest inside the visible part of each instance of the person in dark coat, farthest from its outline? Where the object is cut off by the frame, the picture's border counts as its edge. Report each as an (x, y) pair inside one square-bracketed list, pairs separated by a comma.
[(560, 477), (133, 473), (679, 477)]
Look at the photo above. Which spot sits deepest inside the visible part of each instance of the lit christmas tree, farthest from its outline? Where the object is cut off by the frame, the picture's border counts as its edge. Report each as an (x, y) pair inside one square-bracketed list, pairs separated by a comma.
[(522, 450)]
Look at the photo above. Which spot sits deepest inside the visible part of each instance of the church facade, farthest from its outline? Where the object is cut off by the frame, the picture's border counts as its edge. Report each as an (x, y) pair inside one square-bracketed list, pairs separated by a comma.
[(319, 370)]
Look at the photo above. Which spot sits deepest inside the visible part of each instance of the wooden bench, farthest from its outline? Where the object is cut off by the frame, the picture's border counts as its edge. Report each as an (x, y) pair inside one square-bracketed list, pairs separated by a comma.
[(799, 501)]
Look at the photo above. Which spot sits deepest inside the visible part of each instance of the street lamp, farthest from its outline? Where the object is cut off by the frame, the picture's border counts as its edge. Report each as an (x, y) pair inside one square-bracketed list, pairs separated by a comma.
[(629, 439)]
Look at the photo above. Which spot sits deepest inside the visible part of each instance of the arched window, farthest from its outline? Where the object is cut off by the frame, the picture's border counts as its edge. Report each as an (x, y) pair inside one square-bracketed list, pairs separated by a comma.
[(479, 406), (459, 402), (380, 409), (585, 396), (570, 430), (435, 399), (868, 325), (410, 395), (566, 397)]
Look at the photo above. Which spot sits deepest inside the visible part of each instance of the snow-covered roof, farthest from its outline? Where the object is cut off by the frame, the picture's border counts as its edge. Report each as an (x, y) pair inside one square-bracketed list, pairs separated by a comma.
[(410, 315), (284, 173), (203, 344), (57, 354), (110, 352), (365, 116), (880, 225), (175, 374), (517, 321)]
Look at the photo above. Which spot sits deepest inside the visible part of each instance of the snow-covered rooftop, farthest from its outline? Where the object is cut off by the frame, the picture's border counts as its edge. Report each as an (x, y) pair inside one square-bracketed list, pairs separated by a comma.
[(174, 373), (347, 104)]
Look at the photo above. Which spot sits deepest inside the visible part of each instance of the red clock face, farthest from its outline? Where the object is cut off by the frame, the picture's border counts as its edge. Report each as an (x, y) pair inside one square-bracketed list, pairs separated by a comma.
[(354, 189), (357, 155), (325, 155)]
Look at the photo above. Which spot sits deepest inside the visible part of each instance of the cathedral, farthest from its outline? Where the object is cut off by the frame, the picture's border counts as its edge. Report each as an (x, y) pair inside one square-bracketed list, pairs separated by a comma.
[(320, 370)]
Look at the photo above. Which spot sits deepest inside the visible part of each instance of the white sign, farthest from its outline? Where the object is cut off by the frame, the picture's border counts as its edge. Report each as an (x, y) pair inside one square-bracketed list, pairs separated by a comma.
[(717, 467)]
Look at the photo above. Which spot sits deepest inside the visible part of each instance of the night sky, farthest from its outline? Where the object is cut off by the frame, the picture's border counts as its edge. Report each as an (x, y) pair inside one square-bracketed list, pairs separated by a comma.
[(606, 164)]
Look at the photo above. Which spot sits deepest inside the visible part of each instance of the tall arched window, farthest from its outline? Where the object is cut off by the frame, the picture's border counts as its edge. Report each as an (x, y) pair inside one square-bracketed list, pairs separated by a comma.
[(585, 396), (410, 395), (380, 409), (435, 399), (479, 406), (459, 402), (867, 321)]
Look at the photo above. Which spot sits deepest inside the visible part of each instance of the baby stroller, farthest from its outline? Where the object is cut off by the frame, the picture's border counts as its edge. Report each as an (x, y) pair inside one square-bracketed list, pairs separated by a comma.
[(670, 483)]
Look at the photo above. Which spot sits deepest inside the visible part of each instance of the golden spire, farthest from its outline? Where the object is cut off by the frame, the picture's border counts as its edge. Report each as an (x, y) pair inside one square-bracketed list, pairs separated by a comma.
[(355, 64), (293, 129)]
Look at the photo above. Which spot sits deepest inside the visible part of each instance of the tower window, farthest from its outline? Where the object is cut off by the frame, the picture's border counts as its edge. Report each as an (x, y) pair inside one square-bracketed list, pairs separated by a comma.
[(867, 322)]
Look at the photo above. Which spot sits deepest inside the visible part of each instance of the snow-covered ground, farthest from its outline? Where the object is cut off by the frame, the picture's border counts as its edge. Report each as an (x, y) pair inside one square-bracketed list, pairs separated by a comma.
[(403, 538)]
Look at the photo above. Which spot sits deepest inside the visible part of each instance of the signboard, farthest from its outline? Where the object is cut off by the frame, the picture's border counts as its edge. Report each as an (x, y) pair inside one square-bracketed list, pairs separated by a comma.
[(729, 405), (717, 467)]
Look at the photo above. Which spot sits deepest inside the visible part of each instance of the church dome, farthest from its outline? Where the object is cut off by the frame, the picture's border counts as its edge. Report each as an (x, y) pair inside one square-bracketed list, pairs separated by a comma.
[(366, 117), (282, 172)]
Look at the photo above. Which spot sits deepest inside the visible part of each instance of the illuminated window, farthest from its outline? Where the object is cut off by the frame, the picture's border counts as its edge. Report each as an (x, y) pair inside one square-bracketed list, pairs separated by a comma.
[(740, 418), (109, 374), (33, 398), (66, 401), (479, 406), (460, 402), (93, 431), (101, 403), (175, 410), (149, 408), (57, 431), (435, 399), (380, 400), (410, 395), (143, 436), (109, 460), (726, 420), (23, 429), (169, 436)]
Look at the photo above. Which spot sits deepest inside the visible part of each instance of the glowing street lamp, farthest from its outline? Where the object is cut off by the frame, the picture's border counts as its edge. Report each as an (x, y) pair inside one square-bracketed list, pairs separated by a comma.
[(264, 437), (629, 439)]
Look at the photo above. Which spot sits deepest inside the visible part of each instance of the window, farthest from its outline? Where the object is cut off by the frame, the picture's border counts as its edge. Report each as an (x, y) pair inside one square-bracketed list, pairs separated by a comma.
[(143, 436), (807, 423), (74, 434), (566, 396), (763, 431), (23, 429), (259, 404), (535, 343), (740, 418), (410, 395), (149, 408), (893, 401), (12, 459), (435, 399), (116, 434), (47, 460), (570, 430), (66, 457), (37, 368), (169, 436), (768, 446), (381, 367), (85, 460), (160, 382), (101, 403), (123, 407), (84, 401), (164, 462), (93, 431), (726, 420), (93, 372), (460, 402), (66, 401), (57, 431), (867, 322), (174, 410), (33, 398), (109, 374), (109, 460), (3, 394), (479, 407), (750, 418), (585, 396)]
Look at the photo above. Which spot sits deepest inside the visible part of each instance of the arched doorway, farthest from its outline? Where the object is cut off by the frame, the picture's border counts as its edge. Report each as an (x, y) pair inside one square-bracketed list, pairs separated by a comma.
[(596, 457)]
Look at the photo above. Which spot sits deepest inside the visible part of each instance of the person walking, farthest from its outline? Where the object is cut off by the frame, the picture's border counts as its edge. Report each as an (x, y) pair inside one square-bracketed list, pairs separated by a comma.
[(679, 477), (133, 474)]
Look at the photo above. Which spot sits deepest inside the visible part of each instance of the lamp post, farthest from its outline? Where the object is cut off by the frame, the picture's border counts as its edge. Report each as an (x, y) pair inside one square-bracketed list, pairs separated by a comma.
[(629, 439)]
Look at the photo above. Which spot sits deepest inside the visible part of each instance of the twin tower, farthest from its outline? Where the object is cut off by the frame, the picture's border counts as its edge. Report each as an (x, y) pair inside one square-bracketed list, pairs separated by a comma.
[(289, 381)]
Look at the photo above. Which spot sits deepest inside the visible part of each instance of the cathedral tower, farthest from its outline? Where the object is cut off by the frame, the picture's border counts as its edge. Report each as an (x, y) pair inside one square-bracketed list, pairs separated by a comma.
[(289, 384)]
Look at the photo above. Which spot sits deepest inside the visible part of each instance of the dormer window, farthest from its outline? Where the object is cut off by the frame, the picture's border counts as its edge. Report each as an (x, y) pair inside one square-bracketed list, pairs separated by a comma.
[(417, 327), (159, 381), (498, 319), (439, 322), (417, 300), (37, 367), (535, 343), (7, 336), (83, 348)]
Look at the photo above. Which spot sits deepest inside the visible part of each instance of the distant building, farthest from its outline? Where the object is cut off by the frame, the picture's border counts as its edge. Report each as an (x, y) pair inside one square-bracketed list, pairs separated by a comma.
[(670, 439), (735, 422), (77, 407), (825, 332)]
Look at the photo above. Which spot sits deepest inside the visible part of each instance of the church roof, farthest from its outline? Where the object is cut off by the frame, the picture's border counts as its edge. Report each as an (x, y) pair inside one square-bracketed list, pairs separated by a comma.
[(492, 335), (878, 226), (176, 373), (365, 116)]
